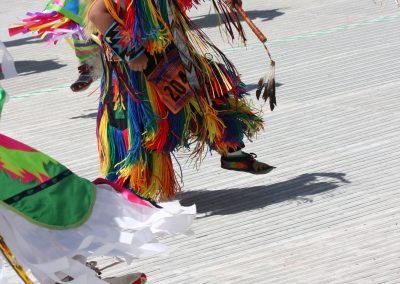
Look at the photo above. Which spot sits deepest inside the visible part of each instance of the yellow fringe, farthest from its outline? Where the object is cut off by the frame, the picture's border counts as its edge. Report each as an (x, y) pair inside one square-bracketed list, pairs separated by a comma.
[(137, 174), (102, 144), (151, 138), (163, 185), (157, 183), (213, 125), (210, 130), (158, 46)]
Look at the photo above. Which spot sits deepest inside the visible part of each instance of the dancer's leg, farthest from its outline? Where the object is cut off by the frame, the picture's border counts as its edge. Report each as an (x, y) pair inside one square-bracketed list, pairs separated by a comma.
[(88, 54)]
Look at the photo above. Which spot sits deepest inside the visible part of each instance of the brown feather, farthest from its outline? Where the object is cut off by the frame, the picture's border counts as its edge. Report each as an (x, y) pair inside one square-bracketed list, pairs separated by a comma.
[(270, 87), (260, 86)]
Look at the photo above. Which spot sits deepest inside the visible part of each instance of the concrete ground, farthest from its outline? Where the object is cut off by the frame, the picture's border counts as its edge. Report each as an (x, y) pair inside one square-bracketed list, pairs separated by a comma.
[(330, 211)]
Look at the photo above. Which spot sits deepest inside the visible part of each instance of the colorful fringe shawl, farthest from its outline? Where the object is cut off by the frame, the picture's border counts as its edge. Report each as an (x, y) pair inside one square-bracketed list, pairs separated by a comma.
[(137, 132), (60, 19)]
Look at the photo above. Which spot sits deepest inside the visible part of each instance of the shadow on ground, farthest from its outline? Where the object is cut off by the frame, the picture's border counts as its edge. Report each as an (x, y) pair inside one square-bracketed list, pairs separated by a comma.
[(22, 41), (89, 115), (29, 67), (236, 200), (253, 86), (211, 20)]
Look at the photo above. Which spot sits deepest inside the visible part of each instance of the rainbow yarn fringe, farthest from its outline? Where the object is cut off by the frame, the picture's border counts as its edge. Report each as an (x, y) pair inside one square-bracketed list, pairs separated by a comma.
[(136, 131), (144, 23)]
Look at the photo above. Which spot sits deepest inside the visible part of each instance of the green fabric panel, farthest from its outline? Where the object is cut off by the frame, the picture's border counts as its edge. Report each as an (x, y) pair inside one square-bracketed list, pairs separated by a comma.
[(67, 204), (19, 161), (63, 205), (72, 9), (2, 99), (14, 186)]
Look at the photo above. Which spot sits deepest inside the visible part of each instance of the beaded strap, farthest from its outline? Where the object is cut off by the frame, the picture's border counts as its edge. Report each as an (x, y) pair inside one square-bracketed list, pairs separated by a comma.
[(38, 188), (119, 40)]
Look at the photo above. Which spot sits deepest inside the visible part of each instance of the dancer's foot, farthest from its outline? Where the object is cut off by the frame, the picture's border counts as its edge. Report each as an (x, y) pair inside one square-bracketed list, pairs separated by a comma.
[(84, 80), (246, 163)]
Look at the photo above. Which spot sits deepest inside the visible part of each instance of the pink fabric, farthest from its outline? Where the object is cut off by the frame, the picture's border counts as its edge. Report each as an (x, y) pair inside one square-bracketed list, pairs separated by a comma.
[(125, 192), (10, 143), (59, 2)]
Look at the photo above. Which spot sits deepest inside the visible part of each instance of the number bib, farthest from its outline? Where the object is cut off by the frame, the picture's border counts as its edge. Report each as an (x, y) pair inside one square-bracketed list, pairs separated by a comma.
[(169, 79)]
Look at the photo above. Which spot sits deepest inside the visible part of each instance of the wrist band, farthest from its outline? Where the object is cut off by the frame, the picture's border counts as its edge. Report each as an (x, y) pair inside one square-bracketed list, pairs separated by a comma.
[(118, 39)]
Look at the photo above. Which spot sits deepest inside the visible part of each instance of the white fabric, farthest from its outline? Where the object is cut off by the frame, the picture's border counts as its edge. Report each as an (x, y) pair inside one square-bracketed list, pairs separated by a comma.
[(116, 227), (3, 276), (7, 62)]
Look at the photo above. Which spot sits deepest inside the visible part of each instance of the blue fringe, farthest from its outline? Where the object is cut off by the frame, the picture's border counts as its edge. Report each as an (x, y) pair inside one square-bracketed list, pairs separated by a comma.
[(176, 125), (119, 144), (135, 130)]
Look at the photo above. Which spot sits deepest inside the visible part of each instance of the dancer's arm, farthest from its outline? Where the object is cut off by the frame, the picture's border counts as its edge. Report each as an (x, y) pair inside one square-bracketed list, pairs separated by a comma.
[(101, 18)]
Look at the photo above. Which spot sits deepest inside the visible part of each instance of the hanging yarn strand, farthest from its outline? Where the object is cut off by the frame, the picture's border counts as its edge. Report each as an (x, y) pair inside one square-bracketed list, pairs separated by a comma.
[(229, 18), (213, 65)]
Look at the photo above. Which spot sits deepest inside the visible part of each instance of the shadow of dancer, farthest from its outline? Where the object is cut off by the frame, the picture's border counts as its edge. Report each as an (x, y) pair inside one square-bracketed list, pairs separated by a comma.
[(92, 115), (235, 200), (29, 67), (251, 87), (22, 41), (211, 20)]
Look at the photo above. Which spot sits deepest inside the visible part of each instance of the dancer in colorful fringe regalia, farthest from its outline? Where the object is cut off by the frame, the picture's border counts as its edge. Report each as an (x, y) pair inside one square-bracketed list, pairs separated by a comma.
[(51, 220), (166, 87), (63, 19)]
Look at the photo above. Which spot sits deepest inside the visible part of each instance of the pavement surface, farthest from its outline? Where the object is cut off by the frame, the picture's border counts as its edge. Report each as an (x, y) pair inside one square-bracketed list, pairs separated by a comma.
[(330, 211)]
